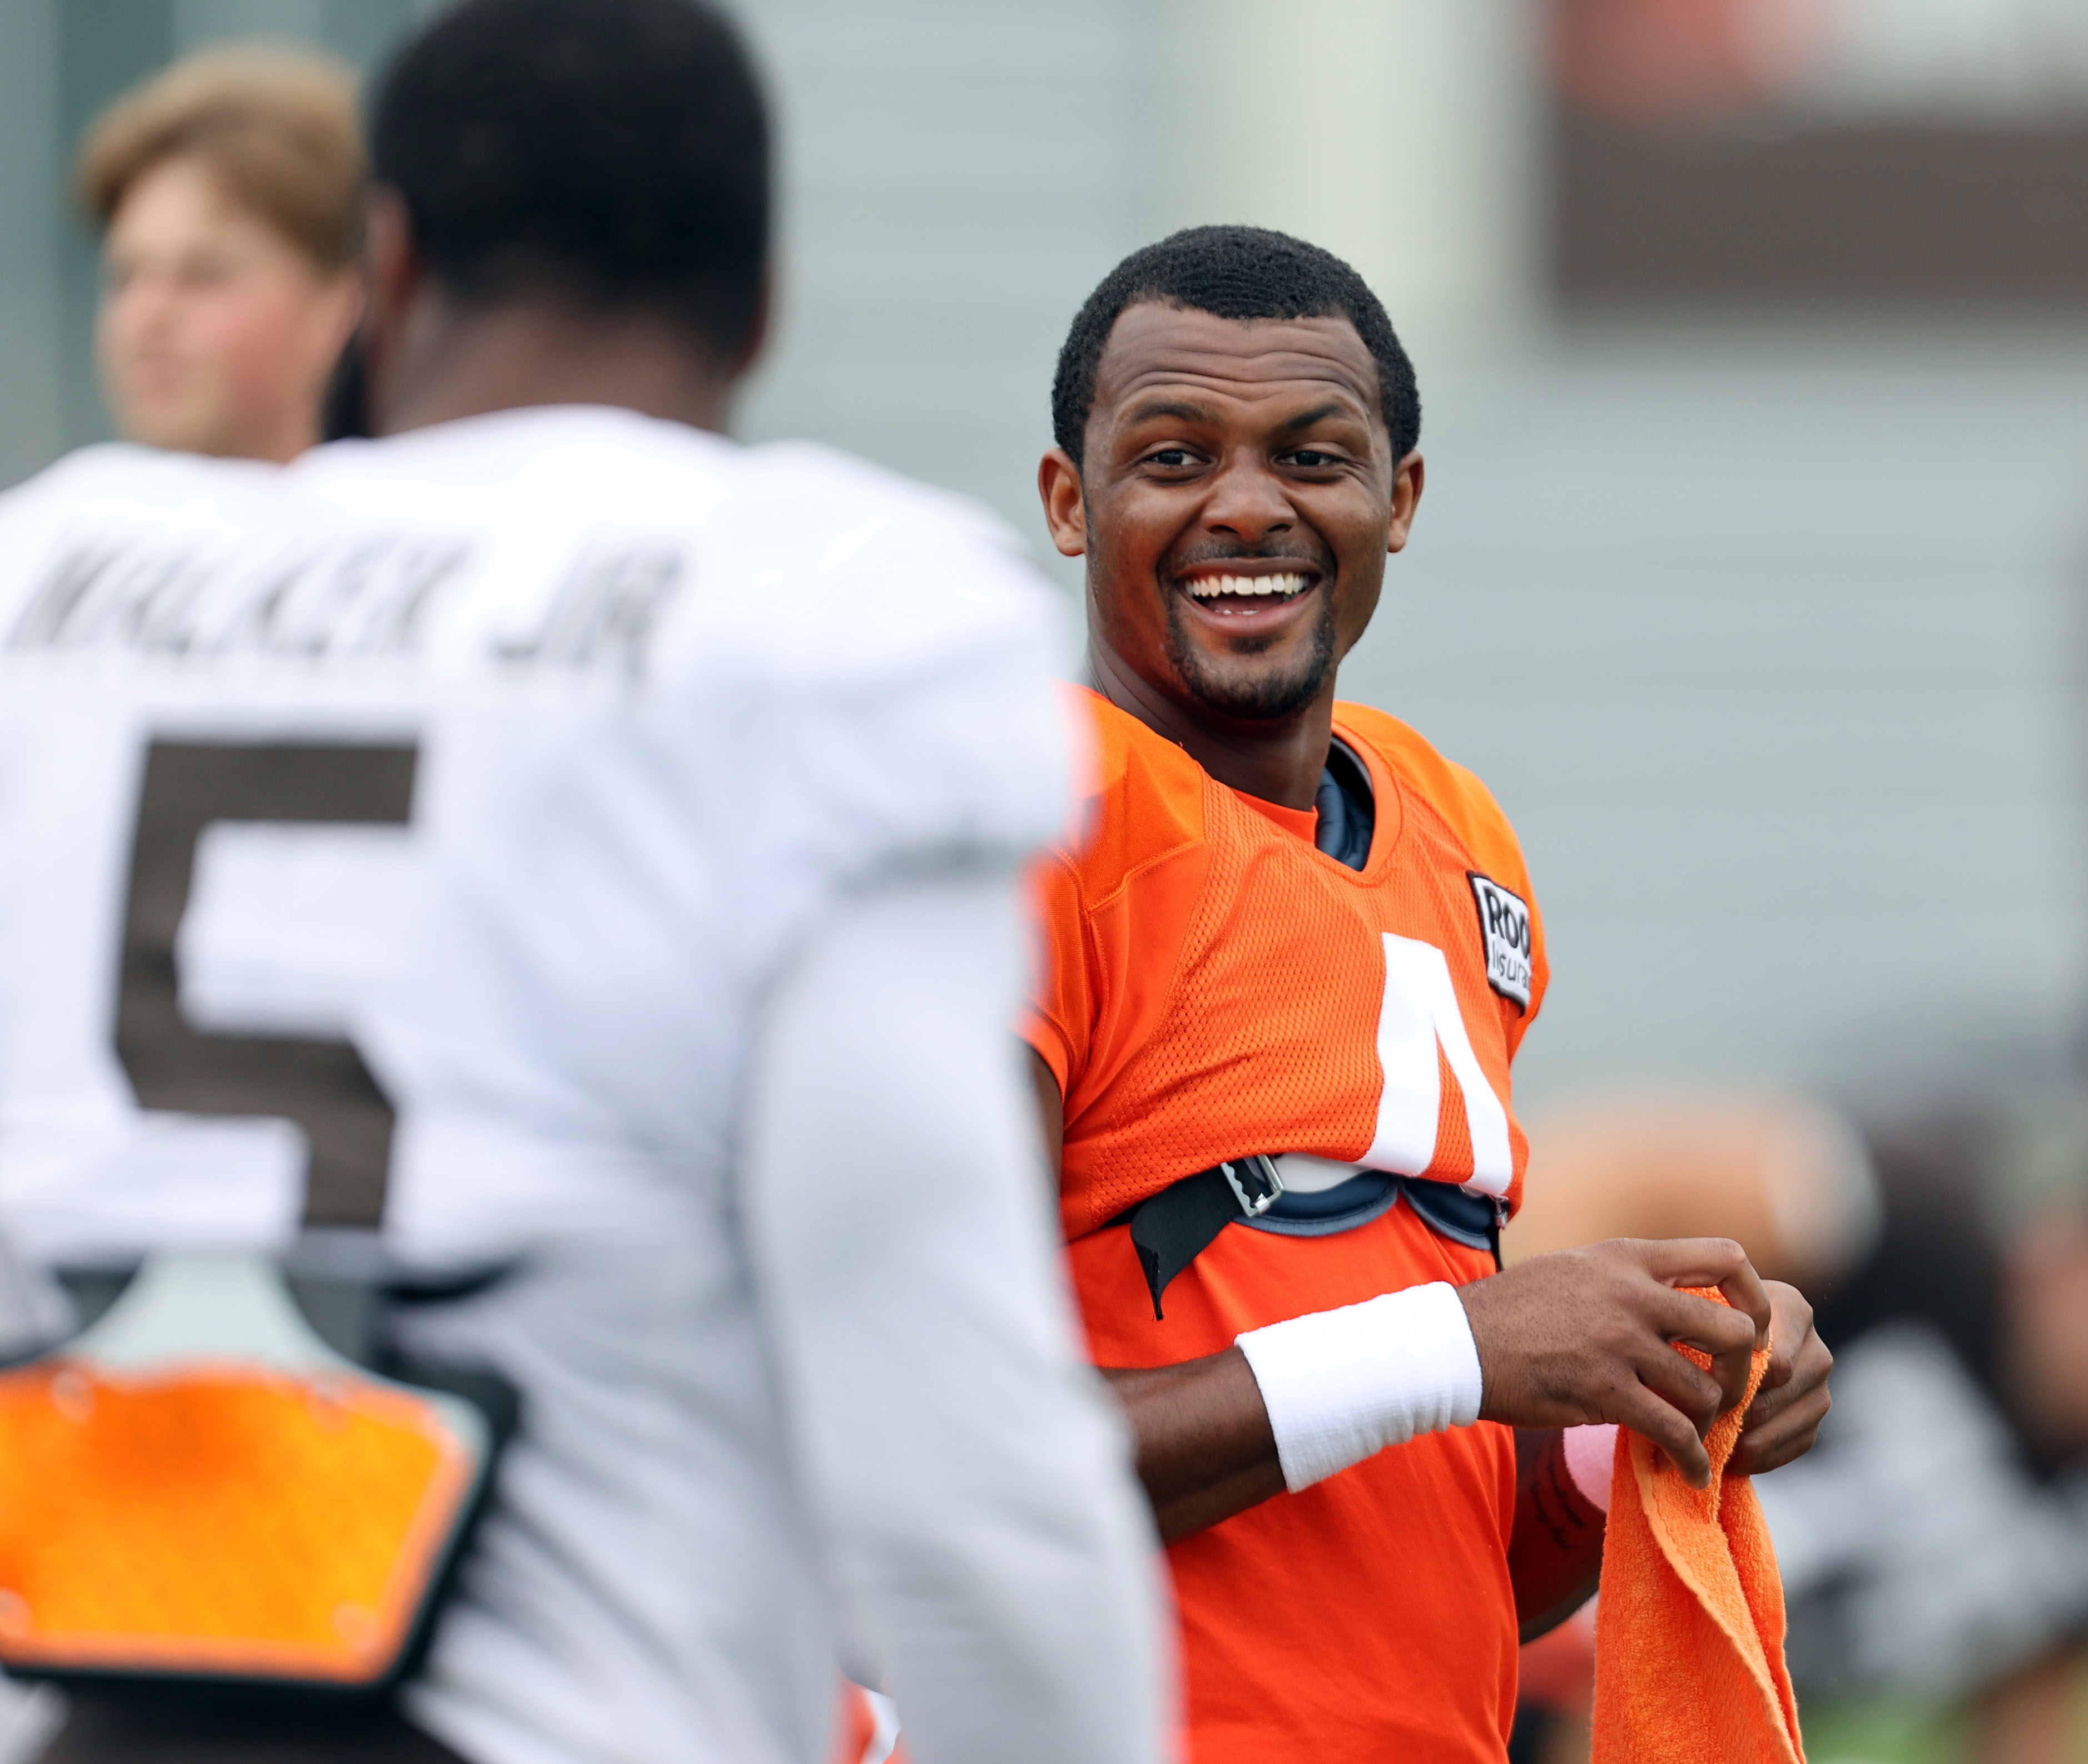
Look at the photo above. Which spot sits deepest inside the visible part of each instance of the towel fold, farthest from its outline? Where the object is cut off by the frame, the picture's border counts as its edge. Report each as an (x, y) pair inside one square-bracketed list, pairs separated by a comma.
[(1689, 1664)]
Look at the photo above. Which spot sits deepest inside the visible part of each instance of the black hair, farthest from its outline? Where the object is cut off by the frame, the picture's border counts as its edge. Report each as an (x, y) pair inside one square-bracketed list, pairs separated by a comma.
[(344, 409), (1233, 272), (611, 152)]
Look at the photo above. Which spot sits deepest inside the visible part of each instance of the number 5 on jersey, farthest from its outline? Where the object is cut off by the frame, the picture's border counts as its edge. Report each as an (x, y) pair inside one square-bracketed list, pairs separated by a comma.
[(320, 1084)]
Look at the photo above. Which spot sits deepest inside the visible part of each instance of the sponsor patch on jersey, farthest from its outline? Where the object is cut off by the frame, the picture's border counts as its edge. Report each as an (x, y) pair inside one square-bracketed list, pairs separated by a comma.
[(1504, 930)]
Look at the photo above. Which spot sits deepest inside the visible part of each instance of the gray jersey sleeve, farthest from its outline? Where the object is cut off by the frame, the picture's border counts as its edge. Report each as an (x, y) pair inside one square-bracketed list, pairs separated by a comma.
[(968, 1473)]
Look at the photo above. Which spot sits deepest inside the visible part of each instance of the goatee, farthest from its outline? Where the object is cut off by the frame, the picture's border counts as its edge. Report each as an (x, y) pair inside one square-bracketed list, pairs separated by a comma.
[(1252, 696)]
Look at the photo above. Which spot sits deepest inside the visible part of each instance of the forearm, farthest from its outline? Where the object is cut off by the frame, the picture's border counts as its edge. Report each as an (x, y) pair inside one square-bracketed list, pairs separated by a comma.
[(1297, 1402), (966, 1468), (1555, 1556), (1205, 1450)]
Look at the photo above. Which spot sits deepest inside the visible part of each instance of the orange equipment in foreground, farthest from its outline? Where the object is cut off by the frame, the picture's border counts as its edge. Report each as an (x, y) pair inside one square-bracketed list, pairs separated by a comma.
[(1689, 1664), (266, 1511)]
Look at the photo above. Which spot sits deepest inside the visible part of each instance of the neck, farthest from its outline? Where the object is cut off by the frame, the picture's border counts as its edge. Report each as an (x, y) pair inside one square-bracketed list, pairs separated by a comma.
[(457, 361), (281, 444), (1279, 762)]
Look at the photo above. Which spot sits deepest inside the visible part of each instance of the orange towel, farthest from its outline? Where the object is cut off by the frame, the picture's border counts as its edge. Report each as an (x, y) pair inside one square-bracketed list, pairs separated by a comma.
[(1689, 1633)]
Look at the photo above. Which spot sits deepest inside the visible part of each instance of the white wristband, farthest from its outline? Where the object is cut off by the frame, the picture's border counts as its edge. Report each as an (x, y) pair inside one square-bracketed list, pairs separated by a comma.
[(1341, 1385), (1591, 1460)]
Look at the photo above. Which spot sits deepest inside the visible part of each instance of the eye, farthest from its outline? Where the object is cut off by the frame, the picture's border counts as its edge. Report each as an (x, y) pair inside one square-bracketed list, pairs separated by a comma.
[(1313, 459), (1170, 459)]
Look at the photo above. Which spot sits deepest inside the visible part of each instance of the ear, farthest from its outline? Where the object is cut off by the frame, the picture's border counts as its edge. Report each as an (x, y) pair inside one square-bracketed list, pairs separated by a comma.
[(340, 311), (1065, 502), (1407, 481), (395, 282), (757, 333)]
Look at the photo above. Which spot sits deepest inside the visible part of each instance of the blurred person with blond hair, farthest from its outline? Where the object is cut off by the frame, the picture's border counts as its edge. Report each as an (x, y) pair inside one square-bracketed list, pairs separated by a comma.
[(227, 189)]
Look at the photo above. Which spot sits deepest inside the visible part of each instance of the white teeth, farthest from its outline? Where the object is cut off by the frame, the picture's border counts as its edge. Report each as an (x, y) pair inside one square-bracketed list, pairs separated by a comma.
[(1211, 587)]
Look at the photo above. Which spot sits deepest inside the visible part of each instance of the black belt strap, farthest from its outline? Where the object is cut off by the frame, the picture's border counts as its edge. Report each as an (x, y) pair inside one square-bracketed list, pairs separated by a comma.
[(1179, 1223), (1176, 1225)]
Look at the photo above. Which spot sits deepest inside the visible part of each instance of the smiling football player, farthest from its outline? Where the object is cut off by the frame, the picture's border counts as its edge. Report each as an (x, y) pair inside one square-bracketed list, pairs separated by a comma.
[(1287, 973)]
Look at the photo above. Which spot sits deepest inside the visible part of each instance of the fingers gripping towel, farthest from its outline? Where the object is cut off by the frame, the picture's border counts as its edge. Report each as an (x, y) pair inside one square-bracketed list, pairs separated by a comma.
[(1689, 1632)]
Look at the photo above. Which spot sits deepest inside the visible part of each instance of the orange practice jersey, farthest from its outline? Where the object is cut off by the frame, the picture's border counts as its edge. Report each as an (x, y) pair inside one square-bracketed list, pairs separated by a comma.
[(1215, 987)]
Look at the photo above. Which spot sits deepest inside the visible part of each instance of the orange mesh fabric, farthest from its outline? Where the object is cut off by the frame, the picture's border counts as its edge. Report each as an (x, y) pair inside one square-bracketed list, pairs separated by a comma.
[(1213, 987), (232, 1520), (1254, 1016), (1213, 982)]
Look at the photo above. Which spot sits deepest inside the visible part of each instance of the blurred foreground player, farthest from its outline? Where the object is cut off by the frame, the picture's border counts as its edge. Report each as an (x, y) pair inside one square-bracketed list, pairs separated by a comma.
[(712, 771), (1288, 971), (229, 192)]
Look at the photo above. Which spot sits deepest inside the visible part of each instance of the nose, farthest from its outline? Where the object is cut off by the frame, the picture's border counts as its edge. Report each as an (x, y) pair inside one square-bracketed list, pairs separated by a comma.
[(138, 312), (1248, 502)]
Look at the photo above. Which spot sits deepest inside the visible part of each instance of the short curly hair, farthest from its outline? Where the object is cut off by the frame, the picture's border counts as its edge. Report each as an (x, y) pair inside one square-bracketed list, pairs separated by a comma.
[(1233, 272), (612, 150)]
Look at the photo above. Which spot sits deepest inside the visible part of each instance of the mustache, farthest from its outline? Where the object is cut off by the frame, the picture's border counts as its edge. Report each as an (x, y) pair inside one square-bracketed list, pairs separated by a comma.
[(1315, 557)]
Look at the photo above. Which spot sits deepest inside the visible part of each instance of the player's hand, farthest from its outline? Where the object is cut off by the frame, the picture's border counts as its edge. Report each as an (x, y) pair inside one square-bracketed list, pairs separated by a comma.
[(1583, 1335), (1784, 1419)]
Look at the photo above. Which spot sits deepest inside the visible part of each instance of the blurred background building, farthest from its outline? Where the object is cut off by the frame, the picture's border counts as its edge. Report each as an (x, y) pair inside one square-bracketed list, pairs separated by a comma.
[(1751, 335)]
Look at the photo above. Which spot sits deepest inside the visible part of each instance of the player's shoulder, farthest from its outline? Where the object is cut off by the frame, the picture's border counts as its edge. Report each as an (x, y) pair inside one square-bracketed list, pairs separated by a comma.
[(532, 466), (884, 533), (605, 468), (97, 499), (1452, 793), (904, 641), (118, 477), (840, 491), (797, 561), (855, 574), (1145, 802)]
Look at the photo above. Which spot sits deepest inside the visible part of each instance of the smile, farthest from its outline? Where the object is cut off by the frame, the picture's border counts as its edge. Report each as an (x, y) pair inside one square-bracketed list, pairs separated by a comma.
[(1235, 595)]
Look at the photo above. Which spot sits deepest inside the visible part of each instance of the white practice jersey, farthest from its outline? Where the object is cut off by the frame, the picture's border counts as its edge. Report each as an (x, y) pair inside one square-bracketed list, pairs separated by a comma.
[(453, 820)]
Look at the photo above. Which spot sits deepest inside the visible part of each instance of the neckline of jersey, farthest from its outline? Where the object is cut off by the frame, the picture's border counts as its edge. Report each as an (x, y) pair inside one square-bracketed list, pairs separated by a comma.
[(1300, 824), (1390, 801), (521, 425)]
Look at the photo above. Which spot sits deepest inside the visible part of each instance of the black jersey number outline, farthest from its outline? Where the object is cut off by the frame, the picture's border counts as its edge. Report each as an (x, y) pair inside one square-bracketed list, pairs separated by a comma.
[(322, 1086)]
